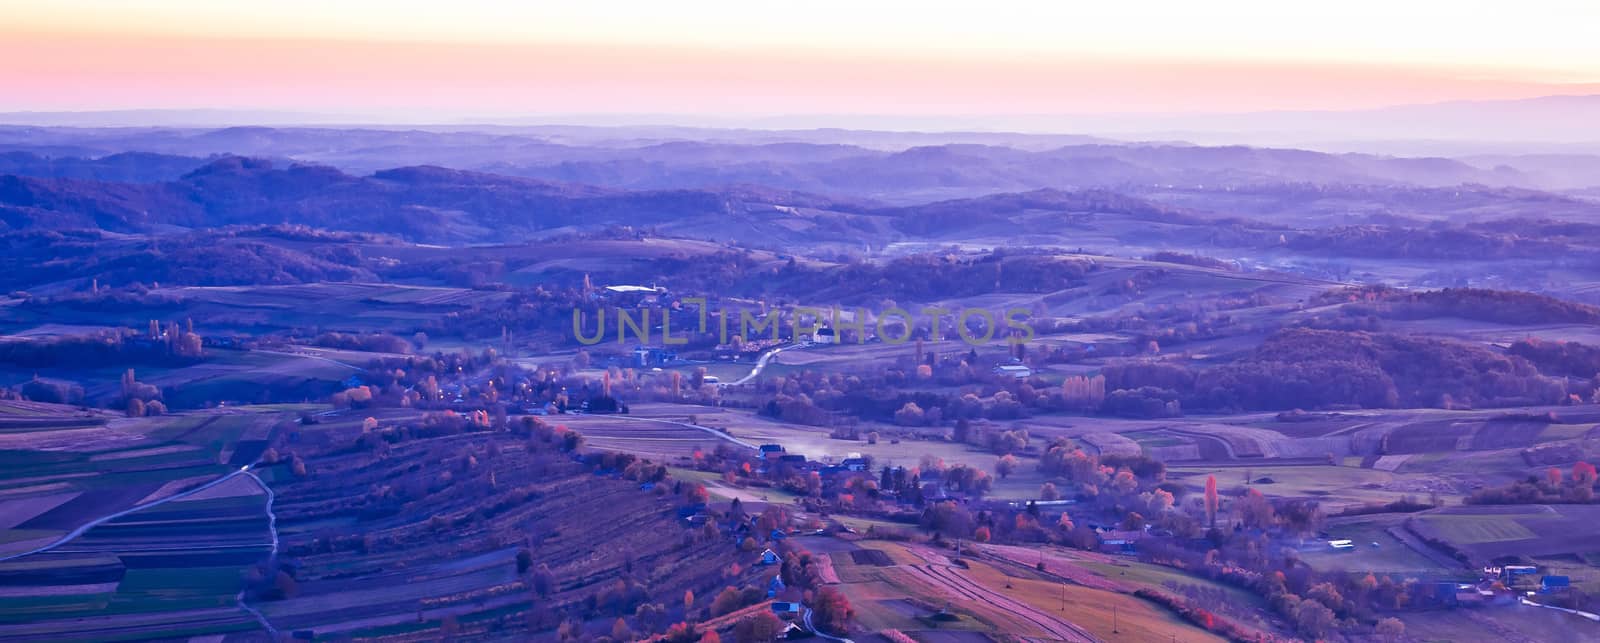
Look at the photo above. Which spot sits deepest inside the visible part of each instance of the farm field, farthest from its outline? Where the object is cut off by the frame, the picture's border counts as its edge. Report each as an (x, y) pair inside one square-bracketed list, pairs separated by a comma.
[(1391, 555), (1487, 532), (171, 568), (1004, 598), (149, 571)]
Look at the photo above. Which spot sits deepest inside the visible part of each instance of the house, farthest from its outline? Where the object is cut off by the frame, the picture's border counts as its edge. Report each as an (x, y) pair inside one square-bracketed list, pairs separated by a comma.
[(653, 356), (1509, 573), (1553, 584), (769, 450), (854, 464), (770, 557), (824, 336), (786, 609), (775, 586), (1341, 545), (1017, 371), (1117, 541), (792, 459)]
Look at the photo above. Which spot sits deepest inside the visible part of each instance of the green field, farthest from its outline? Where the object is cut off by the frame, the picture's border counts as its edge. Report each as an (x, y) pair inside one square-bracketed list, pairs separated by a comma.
[(1478, 529)]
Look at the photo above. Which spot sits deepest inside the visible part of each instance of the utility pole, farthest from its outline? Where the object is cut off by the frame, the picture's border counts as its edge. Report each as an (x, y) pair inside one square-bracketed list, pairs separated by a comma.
[(1114, 620)]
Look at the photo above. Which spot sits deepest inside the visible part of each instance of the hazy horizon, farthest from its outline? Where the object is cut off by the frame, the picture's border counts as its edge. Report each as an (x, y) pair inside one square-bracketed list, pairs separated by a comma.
[(1005, 64)]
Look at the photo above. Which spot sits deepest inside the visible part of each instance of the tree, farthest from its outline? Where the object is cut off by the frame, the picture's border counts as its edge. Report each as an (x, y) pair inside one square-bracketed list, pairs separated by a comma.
[(832, 611), (1390, 629), (728, 601), (524, 561), (1125, 482), (981, 535), (543, 581), (710, 637), (909, 415), (688, 599), (761, 627), (1213, 501), (620, 631), (1048, 491), (962, 431), (1006, 466)]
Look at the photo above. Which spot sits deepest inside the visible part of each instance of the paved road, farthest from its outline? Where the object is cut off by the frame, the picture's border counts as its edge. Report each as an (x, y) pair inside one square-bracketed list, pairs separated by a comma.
[(272, 557), (761, 363), (821, 633)]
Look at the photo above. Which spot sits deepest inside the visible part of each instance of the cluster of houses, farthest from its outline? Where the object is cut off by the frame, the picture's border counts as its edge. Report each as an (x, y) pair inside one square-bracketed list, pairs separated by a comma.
[(774, 455), (1503, 586)]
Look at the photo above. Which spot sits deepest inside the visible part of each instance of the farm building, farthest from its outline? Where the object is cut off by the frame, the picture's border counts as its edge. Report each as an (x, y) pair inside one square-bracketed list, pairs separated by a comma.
[(1341, 545), (653, 356), (1117, 541), (1018, 371), (825, 336), (1552, 584), (770, 450), (770, 557), (786, 609)]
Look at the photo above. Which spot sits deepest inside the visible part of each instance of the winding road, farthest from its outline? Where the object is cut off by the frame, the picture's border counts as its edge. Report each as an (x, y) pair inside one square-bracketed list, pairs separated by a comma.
[(761, 363), (272, 527), (814, 630), (74, 534), (272, 556)]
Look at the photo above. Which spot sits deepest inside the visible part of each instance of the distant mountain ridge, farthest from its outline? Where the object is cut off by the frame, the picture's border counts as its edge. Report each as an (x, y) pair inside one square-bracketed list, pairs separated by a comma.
[(909, 174), (419, 203)]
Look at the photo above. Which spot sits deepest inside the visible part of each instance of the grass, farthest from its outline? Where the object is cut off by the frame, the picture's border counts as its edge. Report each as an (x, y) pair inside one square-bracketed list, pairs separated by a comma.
[(1098, 611), (1391, 555), (1334, 486), (1471, 529), (1155, 439), (1157, 577)]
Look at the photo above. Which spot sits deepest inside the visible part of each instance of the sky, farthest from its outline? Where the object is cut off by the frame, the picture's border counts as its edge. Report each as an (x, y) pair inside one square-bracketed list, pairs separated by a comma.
[(399, 59)]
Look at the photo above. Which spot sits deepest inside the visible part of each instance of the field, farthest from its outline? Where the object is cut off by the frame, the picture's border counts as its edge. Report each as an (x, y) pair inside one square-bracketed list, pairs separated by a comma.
[(1491, 532), (901, 587), (155, 551), (1391, 555)]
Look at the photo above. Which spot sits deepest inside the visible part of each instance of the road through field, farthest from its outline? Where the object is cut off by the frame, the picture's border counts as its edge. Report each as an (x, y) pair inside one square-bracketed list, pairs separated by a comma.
[(272, 556), (272, 525), (761, 363), (74, 534), (953, 580), (696, 427)]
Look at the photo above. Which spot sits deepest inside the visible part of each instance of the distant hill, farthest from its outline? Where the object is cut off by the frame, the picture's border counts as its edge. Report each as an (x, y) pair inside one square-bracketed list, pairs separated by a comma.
[(429, 204), (890, 166), (126, 167)]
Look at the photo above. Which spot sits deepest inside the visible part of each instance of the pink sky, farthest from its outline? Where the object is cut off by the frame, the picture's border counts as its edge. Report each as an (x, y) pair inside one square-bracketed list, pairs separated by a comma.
[(50, 66)]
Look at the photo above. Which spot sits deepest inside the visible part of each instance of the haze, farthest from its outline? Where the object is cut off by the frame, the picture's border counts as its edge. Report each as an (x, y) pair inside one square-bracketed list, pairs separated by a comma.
[(415, 61)]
